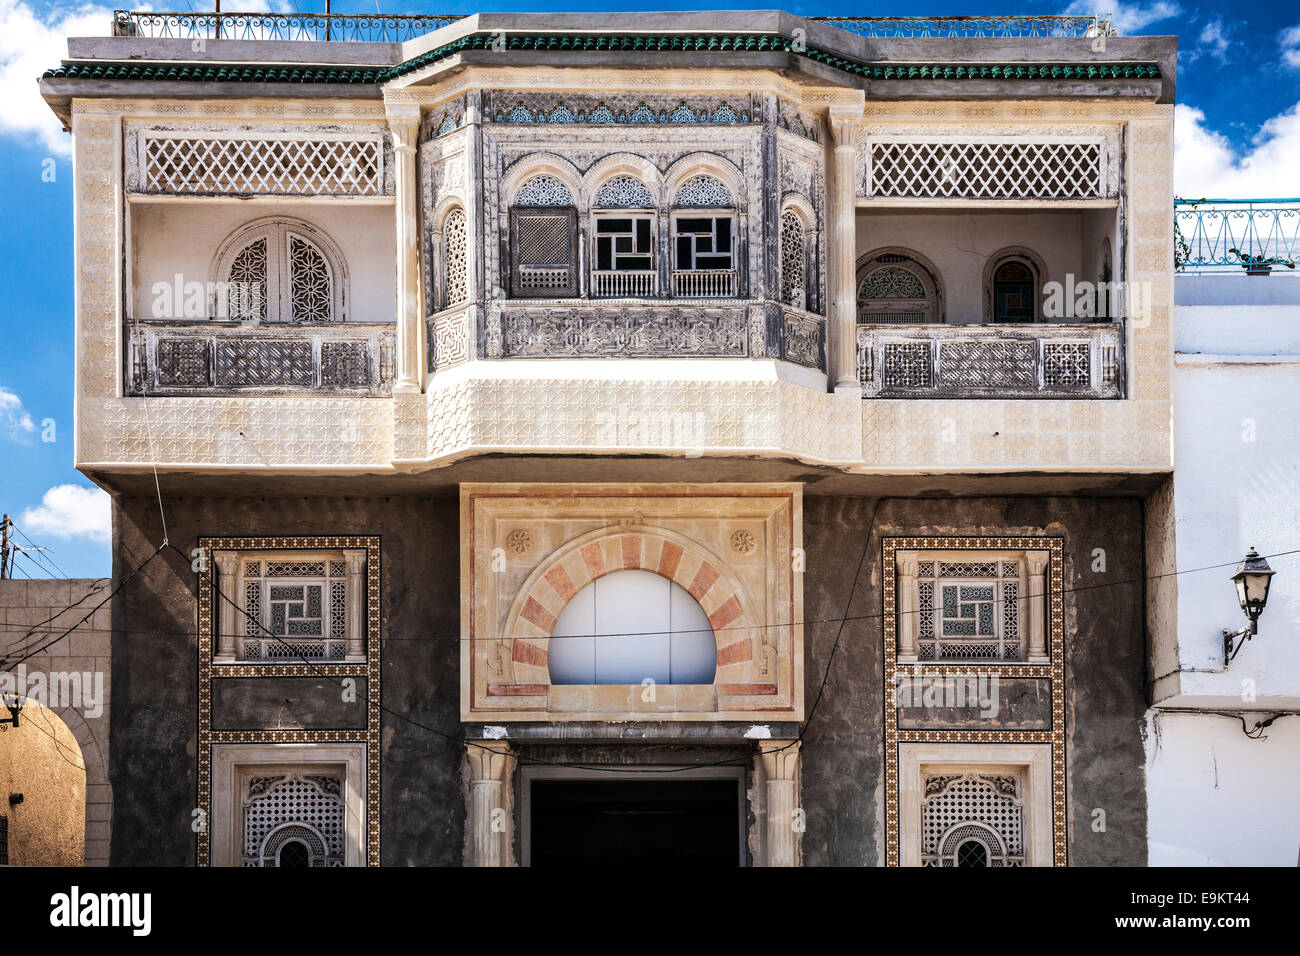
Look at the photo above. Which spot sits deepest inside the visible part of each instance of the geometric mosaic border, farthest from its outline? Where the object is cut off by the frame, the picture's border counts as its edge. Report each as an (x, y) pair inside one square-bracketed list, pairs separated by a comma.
[(1054, 672), (369, 669)]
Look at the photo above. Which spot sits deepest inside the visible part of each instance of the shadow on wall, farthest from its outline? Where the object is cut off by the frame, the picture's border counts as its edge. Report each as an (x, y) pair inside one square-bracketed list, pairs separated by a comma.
[(42, 791)]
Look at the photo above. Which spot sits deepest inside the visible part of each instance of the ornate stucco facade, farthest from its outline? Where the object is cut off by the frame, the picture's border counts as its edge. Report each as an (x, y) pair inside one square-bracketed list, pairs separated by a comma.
[(432, 344)]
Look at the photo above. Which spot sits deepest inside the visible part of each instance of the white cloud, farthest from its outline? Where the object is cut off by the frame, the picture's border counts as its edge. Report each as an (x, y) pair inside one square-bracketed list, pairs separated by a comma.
[(71, 511), (1128, 18), (15, 422), (28, 47), (1206, 165), (1214, 41), (1290, 41)]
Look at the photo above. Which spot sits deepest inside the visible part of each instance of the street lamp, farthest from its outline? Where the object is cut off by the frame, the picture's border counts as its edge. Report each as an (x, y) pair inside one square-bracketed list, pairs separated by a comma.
[(1251, 579)]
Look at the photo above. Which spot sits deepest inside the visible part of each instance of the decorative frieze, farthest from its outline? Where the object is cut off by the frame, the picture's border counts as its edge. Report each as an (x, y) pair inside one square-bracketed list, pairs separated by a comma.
[(652, 332)]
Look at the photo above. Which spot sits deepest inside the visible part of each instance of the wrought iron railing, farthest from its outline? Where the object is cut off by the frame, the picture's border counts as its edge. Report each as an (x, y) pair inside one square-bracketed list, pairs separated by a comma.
[(1236, 235), (986, 27), (358, 28), (991, 361)]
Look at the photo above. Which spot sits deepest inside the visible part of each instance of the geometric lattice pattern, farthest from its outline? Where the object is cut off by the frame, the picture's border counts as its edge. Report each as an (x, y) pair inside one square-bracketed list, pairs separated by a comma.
[(455, 262), (543, 191), (294, 610), (972, 819), (988, 364), (274, 364), (703, 191), (793, 288), (1067, 364), (293, 819), (967, 611), (624, 192), (986, 170), (302, 166), (909, 365), (310, 291), (891, 282)]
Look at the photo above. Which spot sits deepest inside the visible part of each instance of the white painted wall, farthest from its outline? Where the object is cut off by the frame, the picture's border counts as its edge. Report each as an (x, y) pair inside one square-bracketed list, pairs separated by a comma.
[(960, 244), (1215, 796), (171, 238)]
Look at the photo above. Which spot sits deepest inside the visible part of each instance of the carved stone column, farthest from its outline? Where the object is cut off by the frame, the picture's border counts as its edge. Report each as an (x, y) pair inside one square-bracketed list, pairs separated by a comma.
[(355, 598), (404, 122), (490, 822), (842, 327), (228, 605), (1037, 598), (909, 607), (780, 762)]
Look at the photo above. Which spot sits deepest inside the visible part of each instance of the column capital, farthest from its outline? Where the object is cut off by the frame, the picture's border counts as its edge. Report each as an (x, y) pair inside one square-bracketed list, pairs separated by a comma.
[(489, 759), (1036, 561), (227, 562), (404, 121), (780, 758), (355, 560), (844, 119)]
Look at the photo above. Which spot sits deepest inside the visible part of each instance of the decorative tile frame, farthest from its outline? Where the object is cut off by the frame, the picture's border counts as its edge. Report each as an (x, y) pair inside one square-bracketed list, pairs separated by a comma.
[(1054, 672), (369, 669)]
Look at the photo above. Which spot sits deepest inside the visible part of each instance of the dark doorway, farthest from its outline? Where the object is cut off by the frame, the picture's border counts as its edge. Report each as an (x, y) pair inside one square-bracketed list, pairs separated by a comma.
[(654, 823)]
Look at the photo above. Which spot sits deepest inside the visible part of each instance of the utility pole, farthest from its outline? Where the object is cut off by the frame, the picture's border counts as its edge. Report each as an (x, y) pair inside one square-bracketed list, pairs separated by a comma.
[(4, 548)]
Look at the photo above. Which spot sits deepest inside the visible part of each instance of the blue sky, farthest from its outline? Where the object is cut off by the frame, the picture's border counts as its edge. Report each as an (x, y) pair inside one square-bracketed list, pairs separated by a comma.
[(1238, 134)]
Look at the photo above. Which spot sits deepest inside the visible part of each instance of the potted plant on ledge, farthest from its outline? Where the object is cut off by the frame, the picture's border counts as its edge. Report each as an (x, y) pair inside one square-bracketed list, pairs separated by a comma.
[(1260, 265)]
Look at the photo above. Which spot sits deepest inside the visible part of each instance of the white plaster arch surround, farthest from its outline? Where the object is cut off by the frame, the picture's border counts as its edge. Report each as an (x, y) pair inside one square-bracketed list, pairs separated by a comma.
[(621, 164), (541, 164), (996, 259), (864, 266), (704, 164), (801, 207)]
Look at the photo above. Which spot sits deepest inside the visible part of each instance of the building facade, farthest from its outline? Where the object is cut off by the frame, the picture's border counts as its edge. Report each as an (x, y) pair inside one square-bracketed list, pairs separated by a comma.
[(748, 422)]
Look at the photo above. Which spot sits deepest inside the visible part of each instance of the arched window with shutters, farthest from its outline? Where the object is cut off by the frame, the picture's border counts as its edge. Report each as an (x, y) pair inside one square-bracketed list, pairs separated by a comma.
[(280, 270), (794, 261), (543, 240), (623, 260), (455, 262), (1013, 280), (897, 287)]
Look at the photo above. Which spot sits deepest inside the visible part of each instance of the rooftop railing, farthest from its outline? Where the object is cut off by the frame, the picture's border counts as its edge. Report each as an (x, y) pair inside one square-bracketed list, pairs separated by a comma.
[(1236, 235), (356, 28), (377, 28), (985, 27)]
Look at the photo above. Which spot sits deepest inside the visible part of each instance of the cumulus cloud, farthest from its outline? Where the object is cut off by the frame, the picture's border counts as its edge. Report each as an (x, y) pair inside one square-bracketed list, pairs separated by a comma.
[(15, 422), (71, 511), (1289, 39), (1206, 165), (1128, 18), (30, 44), (1215, 41)]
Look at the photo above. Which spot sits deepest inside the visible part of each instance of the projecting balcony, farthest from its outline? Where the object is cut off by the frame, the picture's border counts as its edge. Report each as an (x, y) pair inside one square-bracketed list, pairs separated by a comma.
[(205, 358), (623, 283), (704, 283), (998, 361)]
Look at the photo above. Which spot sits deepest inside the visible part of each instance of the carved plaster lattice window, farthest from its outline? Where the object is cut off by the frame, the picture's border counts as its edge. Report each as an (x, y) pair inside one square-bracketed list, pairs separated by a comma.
[(974, 818), (455, 261), (794, 285), (972, 606), (544, 240), (896, 289), (991, 168), (293, 819), (291, 606), (279, 271)]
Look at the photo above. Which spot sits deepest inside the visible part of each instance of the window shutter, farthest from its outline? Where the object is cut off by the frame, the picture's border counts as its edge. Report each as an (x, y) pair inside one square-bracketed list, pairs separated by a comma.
[(543, 251)]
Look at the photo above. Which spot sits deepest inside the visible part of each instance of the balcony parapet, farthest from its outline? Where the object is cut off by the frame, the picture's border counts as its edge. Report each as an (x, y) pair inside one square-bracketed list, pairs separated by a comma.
[(991, 361), (197, 358)]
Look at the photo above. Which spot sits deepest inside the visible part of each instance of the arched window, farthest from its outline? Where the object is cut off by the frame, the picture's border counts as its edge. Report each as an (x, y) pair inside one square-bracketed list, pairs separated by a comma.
[(455, 263), (623, 261), (631, 625), (896, 288), (794, 283), (1013, 291), (704, 239), (280, 270), (544, 240), (973, 853)]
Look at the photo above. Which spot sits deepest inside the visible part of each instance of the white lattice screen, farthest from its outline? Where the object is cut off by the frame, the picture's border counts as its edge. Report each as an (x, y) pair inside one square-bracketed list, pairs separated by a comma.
[(973, 819), (295, 610), (293, 819), (968, 610), (921, 168), (306, 165)]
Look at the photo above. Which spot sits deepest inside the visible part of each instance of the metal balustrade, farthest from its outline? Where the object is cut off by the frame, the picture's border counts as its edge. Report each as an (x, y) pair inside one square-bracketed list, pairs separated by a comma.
[(973, 27), (360, 28), (622, 284), (705, 283), (984, 361), (1236, 235)]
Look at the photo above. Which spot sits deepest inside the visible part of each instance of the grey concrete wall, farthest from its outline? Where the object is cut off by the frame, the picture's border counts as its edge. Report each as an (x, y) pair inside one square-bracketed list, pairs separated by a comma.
[(154, 720), (843, 749)]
